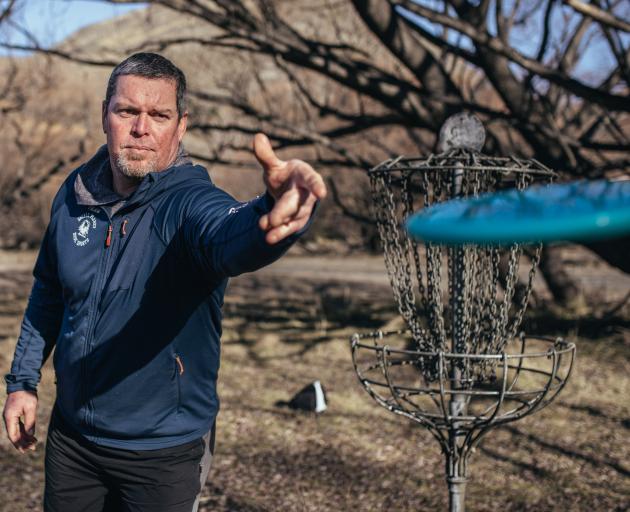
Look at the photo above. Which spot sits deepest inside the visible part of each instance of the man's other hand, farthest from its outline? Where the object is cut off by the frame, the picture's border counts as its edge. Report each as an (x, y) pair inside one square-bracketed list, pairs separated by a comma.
[(294, 185), (20, 411)]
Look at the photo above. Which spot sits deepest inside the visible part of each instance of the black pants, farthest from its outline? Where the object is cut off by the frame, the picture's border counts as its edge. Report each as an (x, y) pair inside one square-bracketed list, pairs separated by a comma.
[(84, 477)]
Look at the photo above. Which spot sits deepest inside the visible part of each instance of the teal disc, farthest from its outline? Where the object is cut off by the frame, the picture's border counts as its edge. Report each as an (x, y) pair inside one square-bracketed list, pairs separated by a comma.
[(579, 211)]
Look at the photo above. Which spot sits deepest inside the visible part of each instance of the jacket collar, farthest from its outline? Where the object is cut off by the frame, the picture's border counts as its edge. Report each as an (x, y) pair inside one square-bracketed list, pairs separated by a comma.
[(93, 185)]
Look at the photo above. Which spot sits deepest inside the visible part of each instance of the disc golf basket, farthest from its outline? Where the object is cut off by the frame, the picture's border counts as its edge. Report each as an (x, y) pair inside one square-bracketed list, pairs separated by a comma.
[(461, 367)]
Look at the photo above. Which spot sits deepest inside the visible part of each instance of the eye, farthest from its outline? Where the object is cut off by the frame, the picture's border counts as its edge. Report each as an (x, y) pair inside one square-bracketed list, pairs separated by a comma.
[(126, 112)]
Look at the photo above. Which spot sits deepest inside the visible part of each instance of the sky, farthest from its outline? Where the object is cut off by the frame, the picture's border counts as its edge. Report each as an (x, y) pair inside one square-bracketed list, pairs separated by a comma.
[(53, 20)]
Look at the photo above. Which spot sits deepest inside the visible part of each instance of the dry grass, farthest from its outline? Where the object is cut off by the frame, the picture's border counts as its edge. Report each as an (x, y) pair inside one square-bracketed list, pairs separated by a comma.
[(282, 332)]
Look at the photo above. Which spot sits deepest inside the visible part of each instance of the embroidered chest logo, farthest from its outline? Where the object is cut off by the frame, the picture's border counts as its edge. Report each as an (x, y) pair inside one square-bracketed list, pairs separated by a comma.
[(81, 235)]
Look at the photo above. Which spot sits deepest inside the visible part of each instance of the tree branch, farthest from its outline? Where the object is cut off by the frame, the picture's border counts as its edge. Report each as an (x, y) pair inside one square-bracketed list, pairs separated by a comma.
[(59, 53), (600, 15), (495, 45), (7, 11), (383, 20)]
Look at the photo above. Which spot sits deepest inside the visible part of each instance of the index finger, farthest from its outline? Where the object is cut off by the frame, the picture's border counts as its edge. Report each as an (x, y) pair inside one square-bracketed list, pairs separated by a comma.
[(12, 425), (287, 206), (313, 181)]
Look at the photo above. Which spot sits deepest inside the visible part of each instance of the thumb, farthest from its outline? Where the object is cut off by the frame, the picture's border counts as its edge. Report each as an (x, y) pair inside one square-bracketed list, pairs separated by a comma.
[(264, 152)]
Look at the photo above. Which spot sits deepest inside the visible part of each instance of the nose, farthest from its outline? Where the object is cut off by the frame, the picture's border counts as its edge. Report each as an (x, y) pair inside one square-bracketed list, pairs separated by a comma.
[(140, 126)]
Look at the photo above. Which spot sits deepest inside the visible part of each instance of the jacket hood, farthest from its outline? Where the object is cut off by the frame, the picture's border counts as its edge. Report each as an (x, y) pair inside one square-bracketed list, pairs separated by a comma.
[(94, 187)]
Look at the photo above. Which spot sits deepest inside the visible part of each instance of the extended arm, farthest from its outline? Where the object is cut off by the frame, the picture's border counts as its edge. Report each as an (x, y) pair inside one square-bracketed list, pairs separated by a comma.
[(40, 328), (223, 236), (229, 237)]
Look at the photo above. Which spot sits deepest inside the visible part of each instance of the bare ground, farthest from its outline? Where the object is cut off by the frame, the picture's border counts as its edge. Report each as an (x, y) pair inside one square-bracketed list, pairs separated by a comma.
[(290, 324)]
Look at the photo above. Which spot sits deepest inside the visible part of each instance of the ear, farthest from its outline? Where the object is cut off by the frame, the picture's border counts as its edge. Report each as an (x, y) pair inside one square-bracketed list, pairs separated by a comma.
[(181, 126), (104, 116)]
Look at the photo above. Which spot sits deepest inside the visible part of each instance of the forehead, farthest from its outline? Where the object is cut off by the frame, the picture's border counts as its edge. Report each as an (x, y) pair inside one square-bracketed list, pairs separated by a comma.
[(140, 90)]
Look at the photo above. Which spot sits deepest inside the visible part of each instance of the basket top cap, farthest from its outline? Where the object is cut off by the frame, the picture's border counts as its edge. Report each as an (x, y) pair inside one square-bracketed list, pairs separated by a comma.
[(463, 130)]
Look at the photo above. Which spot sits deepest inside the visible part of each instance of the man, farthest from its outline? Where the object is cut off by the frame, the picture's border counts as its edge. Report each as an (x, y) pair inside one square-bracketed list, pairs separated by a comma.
[(128, 288)]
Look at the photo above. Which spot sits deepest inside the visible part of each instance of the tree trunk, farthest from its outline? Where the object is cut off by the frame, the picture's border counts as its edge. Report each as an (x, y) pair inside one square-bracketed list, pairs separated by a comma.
[(563, 288)]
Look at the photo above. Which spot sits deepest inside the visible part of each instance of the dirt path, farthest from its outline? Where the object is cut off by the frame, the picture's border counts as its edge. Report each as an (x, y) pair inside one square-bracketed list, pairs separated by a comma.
[(594, 275)]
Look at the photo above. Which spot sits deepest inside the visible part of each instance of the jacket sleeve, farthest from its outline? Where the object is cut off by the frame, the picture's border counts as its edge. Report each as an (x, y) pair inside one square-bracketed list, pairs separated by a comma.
[(222, 234), (40, 326)]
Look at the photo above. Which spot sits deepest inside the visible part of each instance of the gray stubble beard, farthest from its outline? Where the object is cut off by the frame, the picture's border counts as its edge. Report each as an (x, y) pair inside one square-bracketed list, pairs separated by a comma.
[(126, 167)]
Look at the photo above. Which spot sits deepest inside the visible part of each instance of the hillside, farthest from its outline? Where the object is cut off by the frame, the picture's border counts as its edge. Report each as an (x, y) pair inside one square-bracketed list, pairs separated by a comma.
[(60, 118)]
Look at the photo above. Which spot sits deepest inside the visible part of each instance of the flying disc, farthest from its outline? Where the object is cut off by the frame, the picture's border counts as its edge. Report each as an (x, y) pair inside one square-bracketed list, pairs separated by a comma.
[(579, 211)]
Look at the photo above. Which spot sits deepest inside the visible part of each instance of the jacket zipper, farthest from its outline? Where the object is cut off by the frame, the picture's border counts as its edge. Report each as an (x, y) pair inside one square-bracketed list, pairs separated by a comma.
[(103, 261)]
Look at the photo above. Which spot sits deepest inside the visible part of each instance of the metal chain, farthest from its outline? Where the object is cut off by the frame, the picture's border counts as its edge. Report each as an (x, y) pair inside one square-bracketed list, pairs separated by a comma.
[(508, 294), (395, 260), (485, 319), (433, 255), (523, 182), (406, 200)]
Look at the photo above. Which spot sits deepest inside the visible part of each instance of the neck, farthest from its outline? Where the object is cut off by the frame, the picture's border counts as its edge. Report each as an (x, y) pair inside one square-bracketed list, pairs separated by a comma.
[(123, 185)]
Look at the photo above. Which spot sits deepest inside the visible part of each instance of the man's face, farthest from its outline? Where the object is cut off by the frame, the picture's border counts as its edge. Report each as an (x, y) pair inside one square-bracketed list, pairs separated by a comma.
[(142, 125)]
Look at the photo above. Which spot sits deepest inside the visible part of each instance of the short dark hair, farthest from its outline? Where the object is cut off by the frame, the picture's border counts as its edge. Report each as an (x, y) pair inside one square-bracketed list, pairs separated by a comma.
[(149, 65)]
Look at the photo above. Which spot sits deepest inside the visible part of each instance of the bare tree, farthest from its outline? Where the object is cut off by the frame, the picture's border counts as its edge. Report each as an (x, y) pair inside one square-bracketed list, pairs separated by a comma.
[(359, 81), (448, 54), (33, 146)]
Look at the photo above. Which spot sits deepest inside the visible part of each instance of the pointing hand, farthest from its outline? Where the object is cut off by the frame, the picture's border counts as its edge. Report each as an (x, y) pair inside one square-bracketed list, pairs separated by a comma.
[(294, 185)]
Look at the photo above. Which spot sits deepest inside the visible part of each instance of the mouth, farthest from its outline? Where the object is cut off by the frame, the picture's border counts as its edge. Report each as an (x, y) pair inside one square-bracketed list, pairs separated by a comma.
[(138, 148)]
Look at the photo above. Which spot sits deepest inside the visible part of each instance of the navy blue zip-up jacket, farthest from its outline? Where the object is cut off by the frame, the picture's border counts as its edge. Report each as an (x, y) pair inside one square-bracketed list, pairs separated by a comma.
[(132, 301)]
